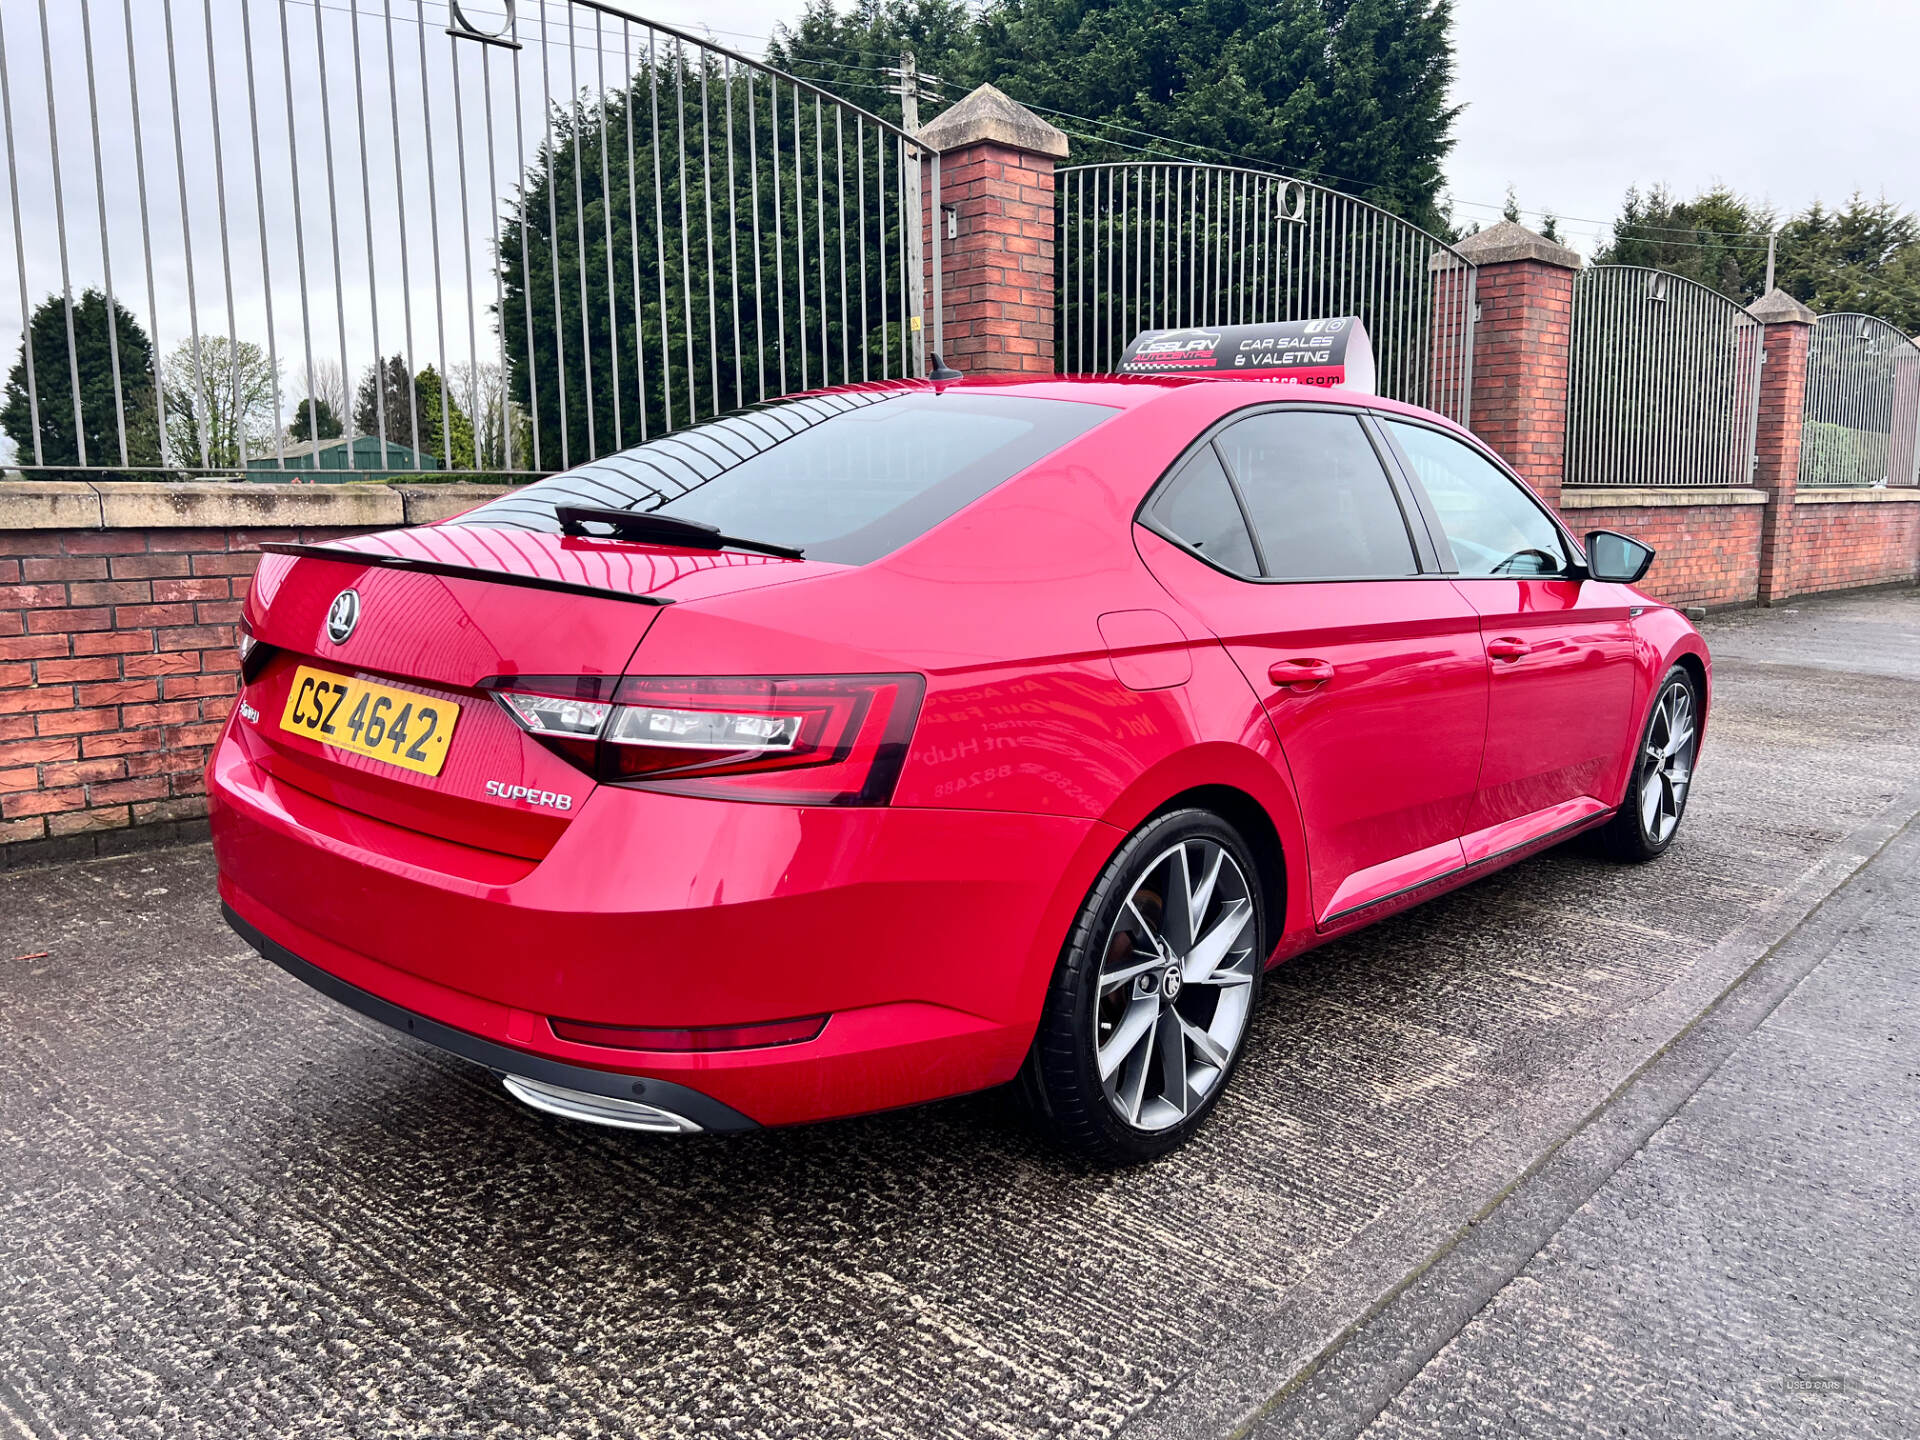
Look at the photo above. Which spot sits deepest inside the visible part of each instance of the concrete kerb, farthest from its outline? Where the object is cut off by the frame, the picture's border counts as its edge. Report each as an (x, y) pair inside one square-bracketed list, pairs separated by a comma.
[(1356, 1383), (1265, 1356)]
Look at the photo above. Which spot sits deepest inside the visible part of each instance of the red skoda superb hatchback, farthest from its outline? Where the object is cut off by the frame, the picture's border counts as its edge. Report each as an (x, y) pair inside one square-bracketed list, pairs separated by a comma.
[(895, 742)]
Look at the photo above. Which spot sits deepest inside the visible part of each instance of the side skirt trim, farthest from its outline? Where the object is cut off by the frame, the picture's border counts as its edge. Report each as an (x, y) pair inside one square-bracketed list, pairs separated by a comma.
[(1459, 876)]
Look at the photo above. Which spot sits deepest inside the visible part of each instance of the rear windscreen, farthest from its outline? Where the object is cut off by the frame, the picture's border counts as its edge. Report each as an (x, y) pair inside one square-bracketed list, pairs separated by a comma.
[(847, 477)]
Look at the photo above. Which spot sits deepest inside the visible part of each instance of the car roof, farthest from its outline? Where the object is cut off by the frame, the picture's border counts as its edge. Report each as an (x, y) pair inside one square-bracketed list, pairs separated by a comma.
[(1133, 392)]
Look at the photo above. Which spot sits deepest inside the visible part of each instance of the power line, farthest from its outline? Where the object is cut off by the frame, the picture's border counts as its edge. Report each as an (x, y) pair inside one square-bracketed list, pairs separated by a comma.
[(1637, 225), (1698, 245)]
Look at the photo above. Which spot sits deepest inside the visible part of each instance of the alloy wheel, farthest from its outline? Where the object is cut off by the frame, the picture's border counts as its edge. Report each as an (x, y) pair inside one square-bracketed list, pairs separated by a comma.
[(1669, 763), (1176, 984)]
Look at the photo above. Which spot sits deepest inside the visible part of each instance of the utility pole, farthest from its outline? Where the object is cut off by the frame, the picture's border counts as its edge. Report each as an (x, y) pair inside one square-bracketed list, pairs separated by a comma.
[(1772, 236), (912, 87), (907, 79)]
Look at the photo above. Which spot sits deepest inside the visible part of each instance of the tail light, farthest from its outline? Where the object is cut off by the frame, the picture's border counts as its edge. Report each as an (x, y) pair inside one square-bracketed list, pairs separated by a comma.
[(804, 740), (253, 654)]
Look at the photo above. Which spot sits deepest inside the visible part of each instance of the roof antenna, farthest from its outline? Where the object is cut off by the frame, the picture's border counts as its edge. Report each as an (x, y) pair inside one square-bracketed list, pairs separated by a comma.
[(942, 373)]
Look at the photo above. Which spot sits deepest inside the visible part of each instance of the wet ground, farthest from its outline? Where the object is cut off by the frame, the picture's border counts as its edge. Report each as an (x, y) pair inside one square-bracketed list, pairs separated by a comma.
[(229, 1207)]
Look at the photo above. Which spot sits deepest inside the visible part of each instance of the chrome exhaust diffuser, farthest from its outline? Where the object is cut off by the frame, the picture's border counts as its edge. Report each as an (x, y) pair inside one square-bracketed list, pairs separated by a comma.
[(596, 1109)]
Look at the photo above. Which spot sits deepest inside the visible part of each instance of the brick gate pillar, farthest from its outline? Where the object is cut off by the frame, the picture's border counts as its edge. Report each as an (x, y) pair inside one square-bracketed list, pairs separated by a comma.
[(1776, 439), (1522, 341), (996, 173)]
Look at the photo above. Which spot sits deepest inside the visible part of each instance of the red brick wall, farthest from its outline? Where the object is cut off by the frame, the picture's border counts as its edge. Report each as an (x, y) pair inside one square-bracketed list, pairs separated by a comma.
[(1776, 450), (1843, 545), (1520, 357), (999, 286), (1708, 554), (117, 665)]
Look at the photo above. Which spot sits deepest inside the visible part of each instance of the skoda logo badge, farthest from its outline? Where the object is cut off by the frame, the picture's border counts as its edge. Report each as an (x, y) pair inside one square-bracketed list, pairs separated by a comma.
[(342, 616)]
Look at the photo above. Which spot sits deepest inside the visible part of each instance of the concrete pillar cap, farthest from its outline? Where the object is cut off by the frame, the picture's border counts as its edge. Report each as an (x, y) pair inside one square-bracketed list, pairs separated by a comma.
[(1498, 244), (991, 115), (1776, 307)]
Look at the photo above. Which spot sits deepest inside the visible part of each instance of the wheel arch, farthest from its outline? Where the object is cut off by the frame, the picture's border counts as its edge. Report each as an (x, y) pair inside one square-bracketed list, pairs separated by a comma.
[(1688, 652), (1245, 788), (1664, 638), (1229, 778), (1696, 666), (1250, 818)]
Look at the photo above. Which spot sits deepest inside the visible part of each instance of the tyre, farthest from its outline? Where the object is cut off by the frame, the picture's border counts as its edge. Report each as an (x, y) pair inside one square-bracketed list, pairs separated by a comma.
[(1645, 824), (1150, 1003)]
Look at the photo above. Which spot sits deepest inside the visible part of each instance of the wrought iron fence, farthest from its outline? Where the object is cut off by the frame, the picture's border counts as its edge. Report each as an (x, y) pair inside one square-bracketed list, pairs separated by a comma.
[(1663, 382), (270, 236), (1164, 244), (1861, 423)]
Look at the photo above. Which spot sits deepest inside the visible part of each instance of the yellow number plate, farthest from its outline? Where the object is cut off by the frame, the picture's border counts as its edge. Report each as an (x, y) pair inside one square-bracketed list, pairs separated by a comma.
[(378, 721)]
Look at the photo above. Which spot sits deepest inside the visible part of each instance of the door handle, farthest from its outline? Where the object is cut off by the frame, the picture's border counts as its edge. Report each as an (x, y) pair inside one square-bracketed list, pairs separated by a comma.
[(1300, 675), (1507, 648)]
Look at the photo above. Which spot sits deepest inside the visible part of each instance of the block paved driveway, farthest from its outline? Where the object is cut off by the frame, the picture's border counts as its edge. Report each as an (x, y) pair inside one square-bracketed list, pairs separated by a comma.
[(228, 1207)]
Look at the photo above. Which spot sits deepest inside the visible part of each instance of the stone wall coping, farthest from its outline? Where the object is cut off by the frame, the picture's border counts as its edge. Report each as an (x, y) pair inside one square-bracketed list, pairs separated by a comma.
[(990, 114), (1851, 495), (227, 504), (426, 504), (1626, 497)]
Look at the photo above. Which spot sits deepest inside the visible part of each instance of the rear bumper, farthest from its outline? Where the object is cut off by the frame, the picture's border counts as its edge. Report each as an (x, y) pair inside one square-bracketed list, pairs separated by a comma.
[(677, 1100), (926, 937)]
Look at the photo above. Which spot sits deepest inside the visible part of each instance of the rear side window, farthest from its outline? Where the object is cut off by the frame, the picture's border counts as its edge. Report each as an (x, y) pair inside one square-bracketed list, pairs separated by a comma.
[(1318, 497), (1198, 509), (846, 478), (1492, 525)]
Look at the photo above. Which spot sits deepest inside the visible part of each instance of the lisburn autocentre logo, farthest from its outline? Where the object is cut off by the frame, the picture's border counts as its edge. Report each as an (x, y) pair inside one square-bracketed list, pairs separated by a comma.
[(1176, 350)]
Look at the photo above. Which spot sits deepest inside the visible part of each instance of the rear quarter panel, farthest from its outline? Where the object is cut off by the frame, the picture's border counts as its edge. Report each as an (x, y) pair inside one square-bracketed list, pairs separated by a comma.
[(999, 607)]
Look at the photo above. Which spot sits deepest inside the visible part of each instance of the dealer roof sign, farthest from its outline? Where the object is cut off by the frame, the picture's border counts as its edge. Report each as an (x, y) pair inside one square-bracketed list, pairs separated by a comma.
[(1333, 351)]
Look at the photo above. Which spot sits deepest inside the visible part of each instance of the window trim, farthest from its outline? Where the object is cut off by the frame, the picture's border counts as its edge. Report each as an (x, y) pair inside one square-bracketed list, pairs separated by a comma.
[(1576, 555), (1240, 502), (1164, 484), (1425, 556)]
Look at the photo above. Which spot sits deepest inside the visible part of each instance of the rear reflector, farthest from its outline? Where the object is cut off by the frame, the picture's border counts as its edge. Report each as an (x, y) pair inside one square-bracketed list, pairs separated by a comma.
[(710, 1037), (800, 740)]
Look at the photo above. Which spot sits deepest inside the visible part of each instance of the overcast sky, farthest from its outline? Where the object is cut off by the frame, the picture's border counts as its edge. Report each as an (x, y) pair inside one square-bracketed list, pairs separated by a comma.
[(1789, 100), (1785, 100)]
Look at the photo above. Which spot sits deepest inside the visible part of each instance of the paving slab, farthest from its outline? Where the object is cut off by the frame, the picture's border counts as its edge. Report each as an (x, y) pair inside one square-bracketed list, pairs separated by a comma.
[(229, 1207), (1746, 1266)]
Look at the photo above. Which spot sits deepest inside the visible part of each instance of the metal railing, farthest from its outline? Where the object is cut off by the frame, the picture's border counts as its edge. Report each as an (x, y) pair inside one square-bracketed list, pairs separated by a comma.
[(1861, 422), (1663, 381), (297, 236), (1166, 244)]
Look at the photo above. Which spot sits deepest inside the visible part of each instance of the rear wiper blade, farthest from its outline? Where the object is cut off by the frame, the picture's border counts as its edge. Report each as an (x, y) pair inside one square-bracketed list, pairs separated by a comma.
[(667, 529)]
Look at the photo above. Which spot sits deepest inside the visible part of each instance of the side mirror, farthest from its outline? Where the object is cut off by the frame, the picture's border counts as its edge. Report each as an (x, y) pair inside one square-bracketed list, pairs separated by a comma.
[(1617, 559)]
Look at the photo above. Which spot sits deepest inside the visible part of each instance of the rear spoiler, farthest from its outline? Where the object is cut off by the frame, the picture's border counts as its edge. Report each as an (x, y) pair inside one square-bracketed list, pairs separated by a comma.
[(423, 566)]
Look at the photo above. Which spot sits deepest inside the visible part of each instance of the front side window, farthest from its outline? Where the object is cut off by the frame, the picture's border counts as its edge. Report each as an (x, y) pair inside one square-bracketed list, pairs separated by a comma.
[(1494, 528), (1197, 508), (845, 477), (1318, 496)]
